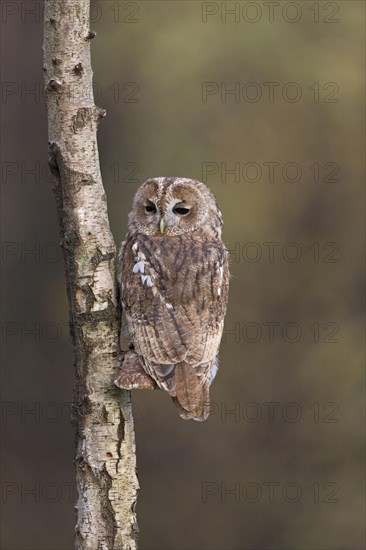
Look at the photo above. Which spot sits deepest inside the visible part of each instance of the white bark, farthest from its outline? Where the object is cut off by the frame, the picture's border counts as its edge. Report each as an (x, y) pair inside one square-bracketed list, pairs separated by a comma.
[(105, 457)]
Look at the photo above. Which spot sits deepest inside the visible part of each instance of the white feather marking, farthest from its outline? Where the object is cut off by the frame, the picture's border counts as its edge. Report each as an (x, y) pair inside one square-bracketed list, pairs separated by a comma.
[(213, 370), (169, 306), (149, 281), (143, 278), (221, 275), (134, 247), (139, 266)]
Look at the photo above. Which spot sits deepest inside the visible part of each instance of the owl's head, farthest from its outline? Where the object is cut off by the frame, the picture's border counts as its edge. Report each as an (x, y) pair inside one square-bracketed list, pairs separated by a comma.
[(175, 206)]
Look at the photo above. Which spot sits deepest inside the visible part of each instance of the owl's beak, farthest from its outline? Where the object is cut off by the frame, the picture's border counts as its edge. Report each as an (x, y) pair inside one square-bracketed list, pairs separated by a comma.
[(162, 225)]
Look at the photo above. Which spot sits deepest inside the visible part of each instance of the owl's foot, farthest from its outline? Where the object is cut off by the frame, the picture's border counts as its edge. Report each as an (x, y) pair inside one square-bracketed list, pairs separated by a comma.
[(132, 375)]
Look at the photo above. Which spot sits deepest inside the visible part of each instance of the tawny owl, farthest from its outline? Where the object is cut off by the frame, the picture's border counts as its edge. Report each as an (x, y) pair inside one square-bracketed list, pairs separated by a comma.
[(174, 285)]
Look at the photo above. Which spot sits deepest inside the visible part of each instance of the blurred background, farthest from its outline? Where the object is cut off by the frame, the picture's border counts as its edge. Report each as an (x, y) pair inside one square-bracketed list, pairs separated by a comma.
[(263, 102)]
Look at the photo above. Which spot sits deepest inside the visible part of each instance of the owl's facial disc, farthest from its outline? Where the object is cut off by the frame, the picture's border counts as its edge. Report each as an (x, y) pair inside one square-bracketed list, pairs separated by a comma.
[(174, 206), (167, 218)]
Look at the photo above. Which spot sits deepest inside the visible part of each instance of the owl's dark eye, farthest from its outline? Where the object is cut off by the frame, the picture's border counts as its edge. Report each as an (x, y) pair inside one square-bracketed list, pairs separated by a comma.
[(150, 207), (181, 210)]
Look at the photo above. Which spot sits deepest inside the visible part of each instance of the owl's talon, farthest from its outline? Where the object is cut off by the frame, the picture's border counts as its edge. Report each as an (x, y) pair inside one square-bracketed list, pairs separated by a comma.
[(132, 375)]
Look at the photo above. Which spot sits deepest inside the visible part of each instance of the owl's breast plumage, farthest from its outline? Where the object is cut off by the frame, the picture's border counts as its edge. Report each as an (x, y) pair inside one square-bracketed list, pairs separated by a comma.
[(174, 293)]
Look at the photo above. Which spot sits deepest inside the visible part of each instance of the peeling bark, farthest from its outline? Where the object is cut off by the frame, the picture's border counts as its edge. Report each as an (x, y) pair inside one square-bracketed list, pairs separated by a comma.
[(105, 443)]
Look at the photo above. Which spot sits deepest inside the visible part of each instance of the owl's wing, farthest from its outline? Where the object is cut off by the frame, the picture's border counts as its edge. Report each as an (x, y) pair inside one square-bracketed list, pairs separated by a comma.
[(174, 293)]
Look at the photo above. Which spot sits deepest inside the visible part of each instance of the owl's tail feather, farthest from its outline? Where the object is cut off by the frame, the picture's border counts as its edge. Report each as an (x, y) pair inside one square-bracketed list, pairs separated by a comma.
[(192, 397)]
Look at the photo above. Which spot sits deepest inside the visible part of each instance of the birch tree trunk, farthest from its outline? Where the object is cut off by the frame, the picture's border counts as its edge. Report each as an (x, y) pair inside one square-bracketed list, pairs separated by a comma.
[(105, 460)]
